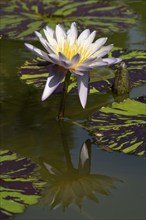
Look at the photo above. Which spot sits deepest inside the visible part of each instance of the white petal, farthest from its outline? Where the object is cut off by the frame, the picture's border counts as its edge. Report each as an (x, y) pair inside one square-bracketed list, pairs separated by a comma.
[(97, 44), (50, 31), (60, 34), (90, 39), (54, 58), (76, 73), (101, 54), (72, 34), (103, 49), (62, 57), (44, 42), (50, 39), (99, 63), (48, 90), (68, 31), (38, 52), (107, 48), (83, 68), (56, 76), (64, 61), (89, 61), (106, 62), (111, 61), (118, 60), (100, 42), (67, 63), (75, 59), (39, 35), (83, 35), (82, 82)]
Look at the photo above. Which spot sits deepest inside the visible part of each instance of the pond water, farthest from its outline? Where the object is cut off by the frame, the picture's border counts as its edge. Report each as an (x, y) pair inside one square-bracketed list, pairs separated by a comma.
[(29, 128)]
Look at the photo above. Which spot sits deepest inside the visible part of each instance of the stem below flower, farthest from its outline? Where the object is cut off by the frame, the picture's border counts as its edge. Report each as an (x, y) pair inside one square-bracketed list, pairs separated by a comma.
[(63, 98)]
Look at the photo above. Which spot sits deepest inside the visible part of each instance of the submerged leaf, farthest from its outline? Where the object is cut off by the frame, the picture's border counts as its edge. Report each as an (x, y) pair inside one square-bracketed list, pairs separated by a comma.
[(19, 186), (121, 127), (19, 19)]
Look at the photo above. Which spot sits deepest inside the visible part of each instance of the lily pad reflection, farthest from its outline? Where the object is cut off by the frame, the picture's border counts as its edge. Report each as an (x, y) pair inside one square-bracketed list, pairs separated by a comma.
[(19, 19)]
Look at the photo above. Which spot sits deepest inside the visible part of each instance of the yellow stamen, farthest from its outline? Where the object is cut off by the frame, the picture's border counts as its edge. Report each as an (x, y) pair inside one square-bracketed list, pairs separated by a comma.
[(70, 50)]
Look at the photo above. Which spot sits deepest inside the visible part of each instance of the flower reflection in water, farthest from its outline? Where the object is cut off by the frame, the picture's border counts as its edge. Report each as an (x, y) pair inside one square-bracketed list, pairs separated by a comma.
[(73, 185)]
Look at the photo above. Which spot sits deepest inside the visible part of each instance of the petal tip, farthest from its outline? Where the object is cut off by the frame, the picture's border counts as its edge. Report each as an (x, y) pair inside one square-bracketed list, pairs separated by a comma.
[(43, 98), (83, 89), (37, 34), (74, 23), (29, 46), (26, 44), (83, 102), (83, 105)]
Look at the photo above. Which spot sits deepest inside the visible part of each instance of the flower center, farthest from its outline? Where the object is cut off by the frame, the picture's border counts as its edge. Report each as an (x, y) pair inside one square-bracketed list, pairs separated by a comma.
[(70, 50)]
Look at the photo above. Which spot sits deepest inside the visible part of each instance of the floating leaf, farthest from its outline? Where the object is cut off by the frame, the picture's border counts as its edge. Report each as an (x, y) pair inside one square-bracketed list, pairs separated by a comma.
[(19, 19), (121, 127), (136, 65), (19, 186), (35, 72)]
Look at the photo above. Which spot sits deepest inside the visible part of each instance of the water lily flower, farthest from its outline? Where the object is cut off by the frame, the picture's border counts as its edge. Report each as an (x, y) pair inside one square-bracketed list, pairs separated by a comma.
[(69, 52)]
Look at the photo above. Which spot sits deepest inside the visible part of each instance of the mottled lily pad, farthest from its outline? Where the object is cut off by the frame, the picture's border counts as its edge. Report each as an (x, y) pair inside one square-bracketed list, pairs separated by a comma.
[(135, 61), (35, 72), (19, 19), (19, 186), (121, 127)]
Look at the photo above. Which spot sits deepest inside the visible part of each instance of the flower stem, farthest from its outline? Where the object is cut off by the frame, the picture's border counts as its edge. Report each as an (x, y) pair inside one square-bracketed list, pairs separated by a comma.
[(63, 98)]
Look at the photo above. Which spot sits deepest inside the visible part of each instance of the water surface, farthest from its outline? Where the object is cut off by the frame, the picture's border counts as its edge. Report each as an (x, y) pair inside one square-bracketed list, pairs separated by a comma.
[(29, 127)]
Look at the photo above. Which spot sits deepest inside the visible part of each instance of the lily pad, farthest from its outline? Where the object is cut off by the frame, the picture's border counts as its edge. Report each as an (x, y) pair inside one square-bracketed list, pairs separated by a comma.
[(19, 186), (35, 72), (19, 19), (135, 61), (121, 127)]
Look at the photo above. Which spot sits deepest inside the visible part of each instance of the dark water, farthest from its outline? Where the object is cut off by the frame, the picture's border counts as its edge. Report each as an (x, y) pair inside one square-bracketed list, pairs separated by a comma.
[(29, 127)]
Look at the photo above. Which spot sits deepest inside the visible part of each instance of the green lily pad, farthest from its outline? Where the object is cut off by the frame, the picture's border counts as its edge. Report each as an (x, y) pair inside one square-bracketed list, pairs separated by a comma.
[(19, 19), (19, 185), (135, 61), (121, 127), (35, 72)]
